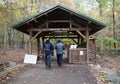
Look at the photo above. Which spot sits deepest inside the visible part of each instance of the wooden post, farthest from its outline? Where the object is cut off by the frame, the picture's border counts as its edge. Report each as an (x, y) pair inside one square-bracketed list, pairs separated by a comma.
[(70, 23), (42, 47), (47, 24), (87, 35), (38, 47), (78, 40), (30, 42)]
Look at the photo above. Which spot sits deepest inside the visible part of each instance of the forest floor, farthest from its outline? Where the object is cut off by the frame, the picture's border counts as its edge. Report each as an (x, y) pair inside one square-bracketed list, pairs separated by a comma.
[(107, 63)]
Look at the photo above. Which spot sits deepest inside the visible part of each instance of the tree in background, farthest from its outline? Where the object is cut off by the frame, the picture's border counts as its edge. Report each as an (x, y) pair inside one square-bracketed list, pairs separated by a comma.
[(95, 8)]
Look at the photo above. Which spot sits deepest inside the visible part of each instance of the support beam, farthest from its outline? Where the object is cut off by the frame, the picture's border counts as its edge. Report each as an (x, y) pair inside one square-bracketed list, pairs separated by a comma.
[(60, 37), (87, 35), (42, 50), (30, 42), (41, 45), (35, 35), (70, 23), (38, 48), (81, 34), (58, 29)]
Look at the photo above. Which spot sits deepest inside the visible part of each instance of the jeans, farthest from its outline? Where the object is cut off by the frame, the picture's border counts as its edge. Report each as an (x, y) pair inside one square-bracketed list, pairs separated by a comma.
[(59, 59), (48, 61)]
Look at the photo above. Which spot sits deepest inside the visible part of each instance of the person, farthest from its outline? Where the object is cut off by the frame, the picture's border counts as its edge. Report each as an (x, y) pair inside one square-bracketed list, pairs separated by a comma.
[(48, 48), (59, 51)]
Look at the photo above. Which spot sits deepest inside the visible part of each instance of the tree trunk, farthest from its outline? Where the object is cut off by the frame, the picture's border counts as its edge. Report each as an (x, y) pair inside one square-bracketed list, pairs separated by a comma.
[(114, 24), (101, 33)]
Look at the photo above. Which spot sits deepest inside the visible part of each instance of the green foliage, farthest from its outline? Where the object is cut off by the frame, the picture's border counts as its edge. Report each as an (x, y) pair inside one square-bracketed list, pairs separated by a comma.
[(67, 42), (104, 3), (108, 43)]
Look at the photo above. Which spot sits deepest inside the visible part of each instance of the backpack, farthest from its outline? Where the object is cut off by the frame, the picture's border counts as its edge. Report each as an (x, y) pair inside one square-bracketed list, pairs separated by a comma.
[(47, 49)]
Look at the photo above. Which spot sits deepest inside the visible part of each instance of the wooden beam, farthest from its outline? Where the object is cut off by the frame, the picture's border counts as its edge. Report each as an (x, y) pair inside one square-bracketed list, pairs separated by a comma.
[(35, 35), (47, 23), (74, 23), (70, 23), (35, 21), (58, 29), (78, 40), (30, 42), (38, 47), (58, 21), (42, 25), (81, 34), (41, 45), (60, 37), (87, 32), (42, 50)]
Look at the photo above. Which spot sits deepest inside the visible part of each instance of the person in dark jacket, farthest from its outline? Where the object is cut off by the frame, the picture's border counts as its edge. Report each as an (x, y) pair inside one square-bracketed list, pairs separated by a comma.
[(48, 48), (59, 51)]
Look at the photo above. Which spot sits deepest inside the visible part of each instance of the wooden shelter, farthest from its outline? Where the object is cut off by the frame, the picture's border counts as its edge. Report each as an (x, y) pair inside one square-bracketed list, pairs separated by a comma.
[(60, 22)]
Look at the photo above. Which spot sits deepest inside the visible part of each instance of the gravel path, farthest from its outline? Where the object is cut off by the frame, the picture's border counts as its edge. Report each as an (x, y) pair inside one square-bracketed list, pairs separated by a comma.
[(67, 74)]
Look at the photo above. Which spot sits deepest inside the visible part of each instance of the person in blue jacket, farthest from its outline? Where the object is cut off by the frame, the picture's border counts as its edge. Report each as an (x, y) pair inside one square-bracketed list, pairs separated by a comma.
[(48, 48), (59, 51)]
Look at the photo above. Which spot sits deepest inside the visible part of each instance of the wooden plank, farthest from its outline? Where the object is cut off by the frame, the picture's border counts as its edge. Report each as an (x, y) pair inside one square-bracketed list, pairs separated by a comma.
[(81, 34), (60, 37), (75, 56), (58, 29)]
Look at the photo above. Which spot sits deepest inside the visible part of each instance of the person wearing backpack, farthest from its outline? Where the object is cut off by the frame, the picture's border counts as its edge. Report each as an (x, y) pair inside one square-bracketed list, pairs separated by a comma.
[(48, 48)]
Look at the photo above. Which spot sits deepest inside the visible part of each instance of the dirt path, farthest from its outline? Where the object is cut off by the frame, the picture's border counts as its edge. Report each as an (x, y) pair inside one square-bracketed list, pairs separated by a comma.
[(67, 74)]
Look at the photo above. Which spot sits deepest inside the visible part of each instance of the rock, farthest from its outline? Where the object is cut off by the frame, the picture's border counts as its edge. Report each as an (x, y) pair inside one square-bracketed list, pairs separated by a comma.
[(113, 78), (12, 64), (98, 67)]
